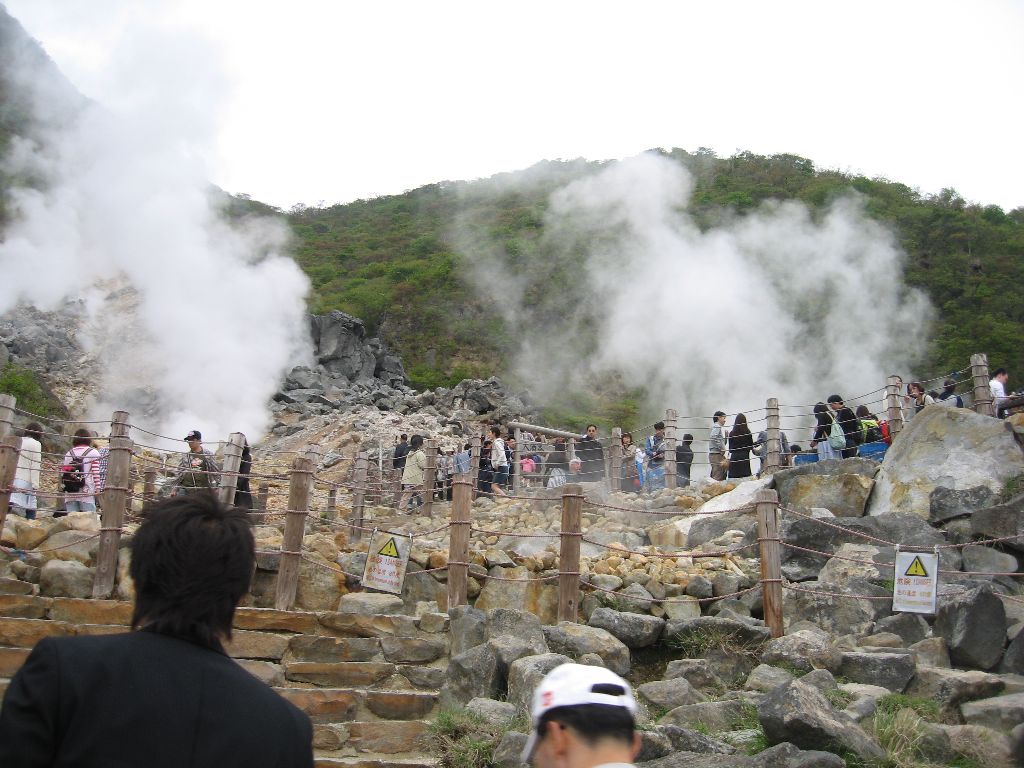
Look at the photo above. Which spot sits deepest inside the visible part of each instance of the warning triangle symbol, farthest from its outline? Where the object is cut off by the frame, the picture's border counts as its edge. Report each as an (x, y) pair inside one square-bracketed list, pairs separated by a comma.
[(390, 549), (916, 568)]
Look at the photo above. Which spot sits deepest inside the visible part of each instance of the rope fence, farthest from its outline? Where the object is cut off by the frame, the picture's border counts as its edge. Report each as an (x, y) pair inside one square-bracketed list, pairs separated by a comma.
[(127, 465)]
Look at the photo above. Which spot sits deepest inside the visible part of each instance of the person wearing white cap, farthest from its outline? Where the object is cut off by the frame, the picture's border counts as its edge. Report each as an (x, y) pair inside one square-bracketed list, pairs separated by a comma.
[(582, 717)]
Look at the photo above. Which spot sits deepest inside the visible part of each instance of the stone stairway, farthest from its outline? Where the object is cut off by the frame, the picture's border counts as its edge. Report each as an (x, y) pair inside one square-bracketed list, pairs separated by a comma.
[(369, 682)]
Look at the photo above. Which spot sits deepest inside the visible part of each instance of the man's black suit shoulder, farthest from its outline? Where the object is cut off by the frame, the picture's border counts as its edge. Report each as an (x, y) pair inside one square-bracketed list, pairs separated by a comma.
[(145, 699)]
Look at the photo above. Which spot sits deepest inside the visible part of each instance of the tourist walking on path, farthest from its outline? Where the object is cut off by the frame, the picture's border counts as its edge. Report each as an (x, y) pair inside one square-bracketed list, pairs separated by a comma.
[(684, 461), (654, 451), (591, 454), (499, 463), (741, 443), (80, 474), (822, 430), (26, 477), (198, 471), (414, 475), (849, 423), (629, 475), (717, 446)]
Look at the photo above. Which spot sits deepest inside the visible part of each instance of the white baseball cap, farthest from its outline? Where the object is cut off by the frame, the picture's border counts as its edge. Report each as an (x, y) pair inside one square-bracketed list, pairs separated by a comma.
[(573, 685)]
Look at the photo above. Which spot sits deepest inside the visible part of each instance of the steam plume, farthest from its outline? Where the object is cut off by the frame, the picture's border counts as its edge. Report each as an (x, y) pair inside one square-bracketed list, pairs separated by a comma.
[(777, 303), (217, 312)]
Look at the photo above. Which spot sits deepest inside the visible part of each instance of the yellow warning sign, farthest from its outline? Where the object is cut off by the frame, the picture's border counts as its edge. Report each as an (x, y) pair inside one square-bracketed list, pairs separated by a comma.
[(916, 567), (390, 549)]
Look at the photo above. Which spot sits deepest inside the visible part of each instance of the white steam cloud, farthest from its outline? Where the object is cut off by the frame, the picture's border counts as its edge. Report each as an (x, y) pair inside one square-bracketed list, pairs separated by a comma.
[(217, 313), (779, 303)]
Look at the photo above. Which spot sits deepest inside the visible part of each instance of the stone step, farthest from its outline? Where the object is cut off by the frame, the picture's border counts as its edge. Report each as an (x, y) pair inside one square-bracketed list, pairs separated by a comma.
[(11, 660), (340, 674), (389, 737), (338, 705)]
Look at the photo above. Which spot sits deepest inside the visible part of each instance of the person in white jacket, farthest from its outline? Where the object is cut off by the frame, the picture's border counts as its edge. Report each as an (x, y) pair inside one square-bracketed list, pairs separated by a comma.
[(26, 478)]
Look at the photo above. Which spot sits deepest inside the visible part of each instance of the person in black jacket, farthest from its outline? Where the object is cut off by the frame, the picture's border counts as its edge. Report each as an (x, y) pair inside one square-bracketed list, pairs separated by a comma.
[(591, 454), (684, 461), (849, 423), (741, 443), (243, 493), (165, 695)]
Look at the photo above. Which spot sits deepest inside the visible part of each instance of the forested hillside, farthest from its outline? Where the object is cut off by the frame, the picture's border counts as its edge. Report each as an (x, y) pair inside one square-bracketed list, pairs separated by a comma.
[(395, 261)]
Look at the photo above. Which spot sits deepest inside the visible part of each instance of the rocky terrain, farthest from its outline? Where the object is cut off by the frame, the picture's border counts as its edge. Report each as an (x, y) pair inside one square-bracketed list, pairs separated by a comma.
[(850, 680)]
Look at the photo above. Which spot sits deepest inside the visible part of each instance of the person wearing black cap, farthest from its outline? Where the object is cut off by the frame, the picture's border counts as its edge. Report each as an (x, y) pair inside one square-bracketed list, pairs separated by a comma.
[(198, 470), (949, 396)]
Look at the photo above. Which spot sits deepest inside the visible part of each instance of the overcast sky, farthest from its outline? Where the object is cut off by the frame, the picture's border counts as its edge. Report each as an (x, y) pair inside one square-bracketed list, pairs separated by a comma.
[(326, 100)]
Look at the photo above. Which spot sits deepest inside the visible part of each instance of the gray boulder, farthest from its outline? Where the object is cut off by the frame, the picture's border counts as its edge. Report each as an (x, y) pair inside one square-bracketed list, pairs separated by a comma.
[(669, 694), (492, 711), (520, 625), (766, 678), (525, 674), (1013, 659), (687, 740), (888, 670), (576, 639), (633, 629), (468, 628), (911, 627), (508, 753), (340, 348), (1001, 713), (1002, 521), (799, 713), (973, 623), (473, 674), (698, 672), (845, 495), (803, 650), (839, 615), (952, 448), (945, 504), (950, 688), (66, 578)]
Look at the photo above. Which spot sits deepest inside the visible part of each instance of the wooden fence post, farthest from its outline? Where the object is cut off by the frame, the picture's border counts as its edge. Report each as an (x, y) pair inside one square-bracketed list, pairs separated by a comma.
[(148, 485), (229, 473), (893, 407), (355, 532), (7, 403), (983, 402), (773, 442), (569, 554), (670, 448), (615, 451), (476, 445), (430, 478), (261, 496), (771, 565), (458, 542), (516, 468), (119, 427), (300, 483), (8, 469), (331, 513), (115, 494)]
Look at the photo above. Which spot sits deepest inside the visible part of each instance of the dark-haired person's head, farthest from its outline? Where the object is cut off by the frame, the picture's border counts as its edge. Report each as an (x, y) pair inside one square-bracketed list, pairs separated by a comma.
[(33, 430), (862, 412), (81, 437), (659, 426), (496, 431), (835, 400), (582, 716), (192, 562), (404, 437), (416, 441), (687, 438)]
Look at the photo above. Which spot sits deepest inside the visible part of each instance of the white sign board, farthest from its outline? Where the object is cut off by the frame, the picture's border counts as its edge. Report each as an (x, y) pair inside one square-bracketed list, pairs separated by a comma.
[(386, 561), (916, 584)]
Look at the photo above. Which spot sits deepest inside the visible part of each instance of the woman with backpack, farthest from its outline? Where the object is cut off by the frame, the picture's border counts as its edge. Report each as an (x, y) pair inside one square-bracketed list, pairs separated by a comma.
[(822, 432), (870, 430), (80, 474)]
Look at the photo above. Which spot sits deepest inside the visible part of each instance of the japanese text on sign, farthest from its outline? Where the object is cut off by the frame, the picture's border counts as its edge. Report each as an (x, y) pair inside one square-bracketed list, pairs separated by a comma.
[(916, 582), (386, 562)]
